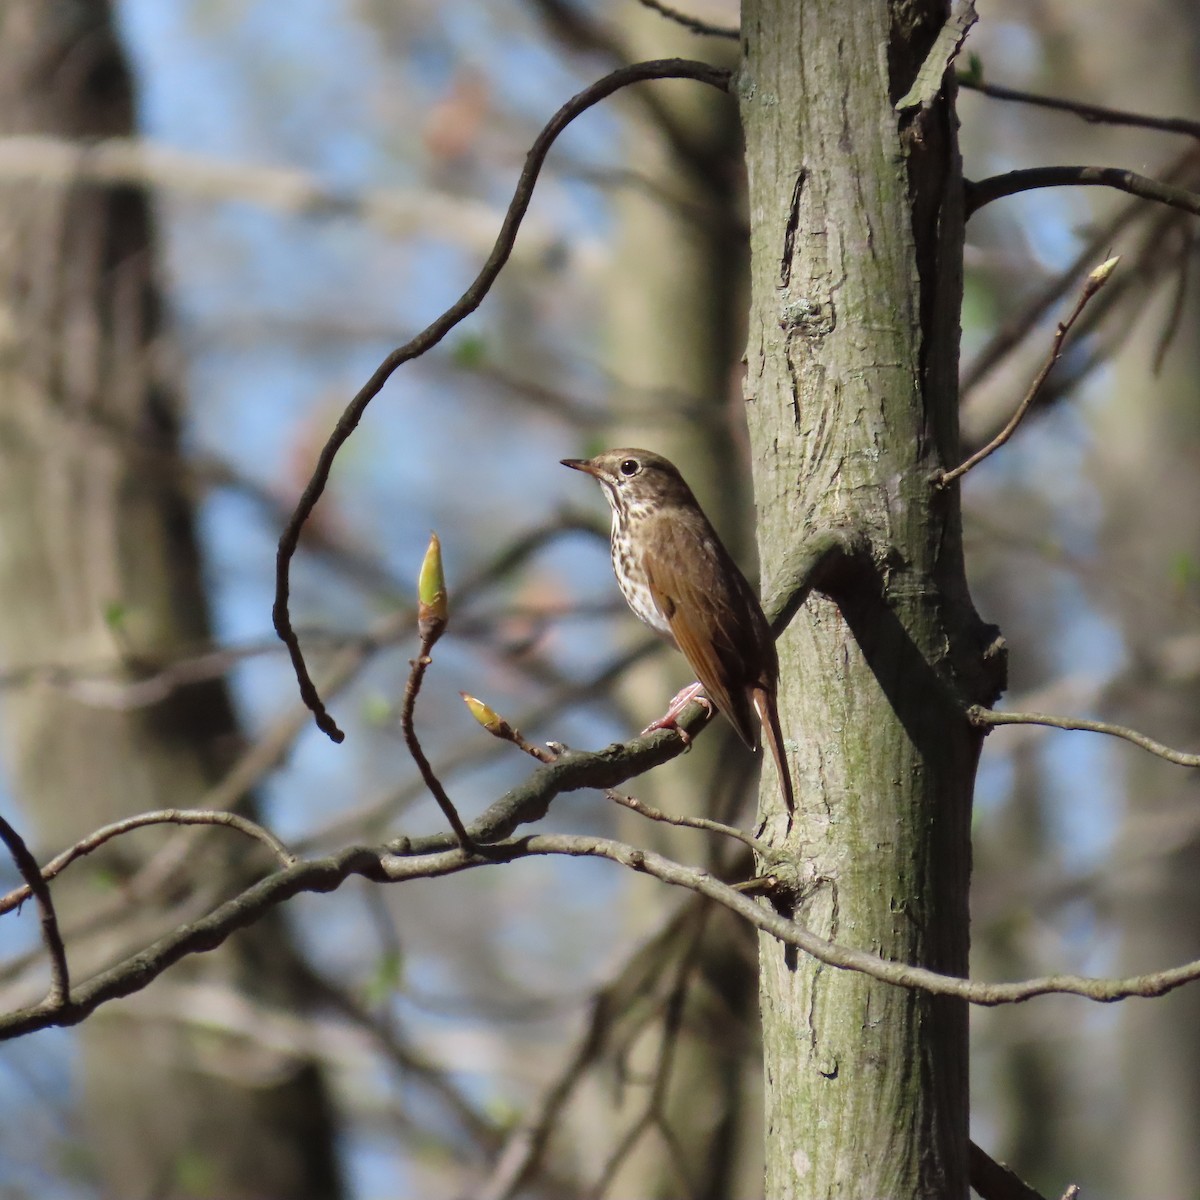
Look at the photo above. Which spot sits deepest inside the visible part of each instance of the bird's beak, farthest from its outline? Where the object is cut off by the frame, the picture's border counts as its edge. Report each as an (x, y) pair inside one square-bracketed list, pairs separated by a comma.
[(580, 464)]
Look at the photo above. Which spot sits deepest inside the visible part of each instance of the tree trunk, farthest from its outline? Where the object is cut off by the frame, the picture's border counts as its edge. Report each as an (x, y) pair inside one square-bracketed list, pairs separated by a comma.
[(856, 248), (98, 563)]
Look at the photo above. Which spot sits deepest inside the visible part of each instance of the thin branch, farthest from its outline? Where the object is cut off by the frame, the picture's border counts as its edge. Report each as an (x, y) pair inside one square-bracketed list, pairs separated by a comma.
[(371, 820), (410, 1062), (653, 1113), (1095, 114), (433, 333), (58, 997), (1094, 282), (995, 187), (571, 771), (108, 683), (691, 24), (1178, 299), (432, 782), (761, 848), (163, 816), (271, 748), (985, 717)]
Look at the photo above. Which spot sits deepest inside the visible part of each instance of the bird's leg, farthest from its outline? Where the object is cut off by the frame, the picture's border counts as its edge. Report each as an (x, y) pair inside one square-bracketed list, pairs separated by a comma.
[(670, 719)]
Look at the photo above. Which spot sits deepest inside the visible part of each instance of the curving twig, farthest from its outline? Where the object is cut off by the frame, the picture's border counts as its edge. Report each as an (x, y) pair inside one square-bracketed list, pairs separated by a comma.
[(59, 994), (995, 187), (162, 816), (429, 337), (1094, 282), (986, 717)]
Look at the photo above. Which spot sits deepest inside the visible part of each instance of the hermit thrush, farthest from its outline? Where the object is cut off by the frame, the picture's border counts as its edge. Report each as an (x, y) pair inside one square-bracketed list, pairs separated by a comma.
[(680, 580)]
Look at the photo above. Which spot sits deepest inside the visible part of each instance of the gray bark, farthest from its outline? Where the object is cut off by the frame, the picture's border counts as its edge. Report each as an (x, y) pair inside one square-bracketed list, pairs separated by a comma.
[(851, 395)]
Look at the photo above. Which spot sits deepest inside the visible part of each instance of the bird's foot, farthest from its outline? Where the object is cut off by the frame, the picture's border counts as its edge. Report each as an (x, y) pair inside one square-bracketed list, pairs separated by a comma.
[(670, 719)]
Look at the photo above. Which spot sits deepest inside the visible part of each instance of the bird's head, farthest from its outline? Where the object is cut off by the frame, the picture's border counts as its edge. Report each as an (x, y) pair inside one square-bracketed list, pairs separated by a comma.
[(635, 481)]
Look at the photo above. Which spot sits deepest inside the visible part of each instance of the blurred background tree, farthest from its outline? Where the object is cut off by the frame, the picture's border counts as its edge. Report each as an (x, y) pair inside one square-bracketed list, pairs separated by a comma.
[(321, 185)]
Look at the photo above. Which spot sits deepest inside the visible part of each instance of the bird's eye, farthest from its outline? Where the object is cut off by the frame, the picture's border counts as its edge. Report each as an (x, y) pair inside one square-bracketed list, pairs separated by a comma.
[(629, 467)]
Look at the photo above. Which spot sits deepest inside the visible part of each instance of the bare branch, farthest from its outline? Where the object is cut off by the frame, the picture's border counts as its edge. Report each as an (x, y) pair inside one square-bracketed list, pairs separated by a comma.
[(653, 1111), (638, 806), (985, 717), (409, 1061), (399, 864), (139, 162), (1094, 282), (1095, 114), (995, 187), (691, 24), (1178, 297), (58, 997), (526, 1144), (163, 816), (433, 333)]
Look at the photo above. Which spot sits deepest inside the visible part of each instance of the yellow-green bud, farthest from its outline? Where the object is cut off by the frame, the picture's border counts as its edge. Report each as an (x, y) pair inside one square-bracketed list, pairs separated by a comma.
[(433, 608), (487, 716)]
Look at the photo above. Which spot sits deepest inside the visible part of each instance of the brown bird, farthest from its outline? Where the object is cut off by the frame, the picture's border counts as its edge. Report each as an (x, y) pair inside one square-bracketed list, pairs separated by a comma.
[(681, 581)]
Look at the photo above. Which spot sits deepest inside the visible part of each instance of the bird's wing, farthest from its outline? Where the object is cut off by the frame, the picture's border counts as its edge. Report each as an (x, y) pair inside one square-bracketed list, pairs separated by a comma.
[(690, 581)]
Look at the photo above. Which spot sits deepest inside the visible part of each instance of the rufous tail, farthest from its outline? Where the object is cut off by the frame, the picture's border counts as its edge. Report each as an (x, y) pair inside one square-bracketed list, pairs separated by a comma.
[(768, 714)]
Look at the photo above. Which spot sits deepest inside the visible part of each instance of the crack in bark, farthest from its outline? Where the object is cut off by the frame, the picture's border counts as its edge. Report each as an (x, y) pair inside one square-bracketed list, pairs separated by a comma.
[(789, 232)]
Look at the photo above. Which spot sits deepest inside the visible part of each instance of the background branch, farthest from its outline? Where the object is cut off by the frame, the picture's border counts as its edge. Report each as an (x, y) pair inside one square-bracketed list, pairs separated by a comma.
[(1014, 331), (690, 23), (1095, 114)]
